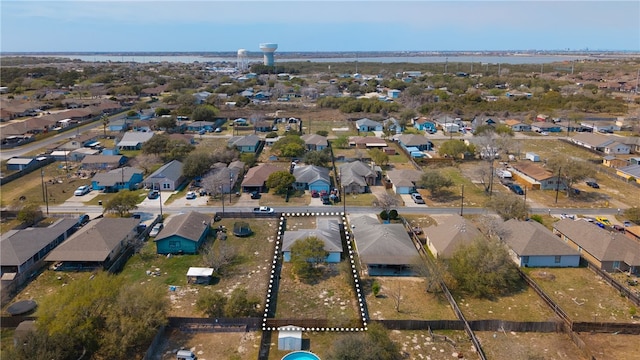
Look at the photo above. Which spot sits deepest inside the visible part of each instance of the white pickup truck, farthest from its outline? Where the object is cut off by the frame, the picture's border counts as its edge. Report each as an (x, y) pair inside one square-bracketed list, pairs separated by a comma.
[(263, 210)]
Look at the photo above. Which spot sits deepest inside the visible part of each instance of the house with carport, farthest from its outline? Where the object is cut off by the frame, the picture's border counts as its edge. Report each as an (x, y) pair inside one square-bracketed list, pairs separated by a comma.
[(328, 230), (125, 178), (383, 249), (367, 142), (311, 178), (133, 140), (96, 245), (183, 233), (356, 177), (451, 233), (607, 250), (167, 178), (531, 244)]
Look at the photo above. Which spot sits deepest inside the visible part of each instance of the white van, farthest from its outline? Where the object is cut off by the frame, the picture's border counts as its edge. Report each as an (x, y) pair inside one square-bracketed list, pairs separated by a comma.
[(186, 355)]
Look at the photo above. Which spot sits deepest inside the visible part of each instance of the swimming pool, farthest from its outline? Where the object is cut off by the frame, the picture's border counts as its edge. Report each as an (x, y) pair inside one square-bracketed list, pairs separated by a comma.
[(301, 355)]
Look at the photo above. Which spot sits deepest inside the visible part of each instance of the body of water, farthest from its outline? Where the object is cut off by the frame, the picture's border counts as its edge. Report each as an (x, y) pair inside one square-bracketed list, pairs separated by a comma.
[(484, 59)]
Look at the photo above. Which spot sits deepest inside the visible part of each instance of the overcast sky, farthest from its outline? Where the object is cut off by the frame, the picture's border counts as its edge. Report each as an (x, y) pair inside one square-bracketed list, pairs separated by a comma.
[(325, 25)]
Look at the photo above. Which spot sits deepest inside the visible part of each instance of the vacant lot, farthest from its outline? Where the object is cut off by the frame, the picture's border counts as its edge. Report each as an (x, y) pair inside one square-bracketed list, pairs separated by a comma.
[(527, 346), (582, 294), (612, 346), (210, 346)]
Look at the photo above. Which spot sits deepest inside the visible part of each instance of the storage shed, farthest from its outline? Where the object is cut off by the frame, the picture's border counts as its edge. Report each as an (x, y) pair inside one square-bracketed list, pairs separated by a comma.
[(199, 275), (532, 156), (289, 337)]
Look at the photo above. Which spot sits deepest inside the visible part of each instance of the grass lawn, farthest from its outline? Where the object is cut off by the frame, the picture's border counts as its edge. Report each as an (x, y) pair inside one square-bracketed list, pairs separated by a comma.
[(273, 200), (331, 297), (415, 302), (582, 294), (104, 197), (474, 195), (59, 187)]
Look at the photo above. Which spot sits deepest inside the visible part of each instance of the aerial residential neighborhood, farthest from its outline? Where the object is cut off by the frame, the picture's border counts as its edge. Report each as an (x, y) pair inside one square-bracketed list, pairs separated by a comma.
[(266, 210)]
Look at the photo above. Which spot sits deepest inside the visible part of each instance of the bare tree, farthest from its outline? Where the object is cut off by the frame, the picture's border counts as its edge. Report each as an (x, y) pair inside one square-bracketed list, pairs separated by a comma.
[(146, 161), (432, 273), (386, 202), (218, 260), (489, 149), (492, 227), (396, 295)]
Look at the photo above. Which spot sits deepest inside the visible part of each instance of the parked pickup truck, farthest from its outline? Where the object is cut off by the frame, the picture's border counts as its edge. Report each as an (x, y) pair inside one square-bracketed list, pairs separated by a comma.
[(263, 210)]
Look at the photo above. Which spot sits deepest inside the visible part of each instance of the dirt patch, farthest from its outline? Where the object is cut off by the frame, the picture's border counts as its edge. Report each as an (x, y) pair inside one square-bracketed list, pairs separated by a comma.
[(526, 346), (542, 275), (209, 346)]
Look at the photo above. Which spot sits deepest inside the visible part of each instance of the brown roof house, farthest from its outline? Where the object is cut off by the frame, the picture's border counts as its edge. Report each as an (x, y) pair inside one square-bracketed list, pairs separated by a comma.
[(453, 232), (609, 251), (383, 249), (96, 245), (256, 177), (537, 177), (531, 244)]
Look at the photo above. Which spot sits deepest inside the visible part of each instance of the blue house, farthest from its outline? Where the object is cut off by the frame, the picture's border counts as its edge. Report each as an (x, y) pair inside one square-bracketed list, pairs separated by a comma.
[(367, 125), (393, 93), (425, 125), (120, 125), (327, 230), (126, 178), (393, 125), (312, 178), (183, 234), (419, 142), (245, 144), (198, 126)]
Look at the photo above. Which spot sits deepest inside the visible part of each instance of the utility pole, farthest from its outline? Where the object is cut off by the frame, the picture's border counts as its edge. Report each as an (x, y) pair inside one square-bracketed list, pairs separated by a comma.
[(558, 184), (462, 201), (44, 197)]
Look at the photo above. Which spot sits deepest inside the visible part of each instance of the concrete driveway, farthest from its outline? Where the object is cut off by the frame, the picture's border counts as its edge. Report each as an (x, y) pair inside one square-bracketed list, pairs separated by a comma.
[(408, 201)]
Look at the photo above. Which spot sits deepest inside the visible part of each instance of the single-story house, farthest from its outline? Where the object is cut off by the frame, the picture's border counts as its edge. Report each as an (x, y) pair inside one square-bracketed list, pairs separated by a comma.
[(201, 97), (167, 178), (312, 177), (633, 142), (422, 143), (425, 124), (197, 126), (183, 233), (393, 125), (607, 144), (629, 172), (133, 140), (368, 142), (80, 141), (537, 176), (314, 142), (102, 162), (256, 177), (404, 181), (546, 127), (448, 236), (383, 249), (22, 251), (79, 154), (223, 177), (366, 125), (96, 245), (356, 177), (245, 144), (327, 230), (609, 251), (517, 125), (264, 125), (125, 178), (531, 244), (119, 125)]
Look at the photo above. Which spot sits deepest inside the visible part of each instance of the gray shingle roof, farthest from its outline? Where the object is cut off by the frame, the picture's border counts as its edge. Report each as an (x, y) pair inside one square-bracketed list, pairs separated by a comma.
[(453, 232), (133, 138), (311, 173), (530, 238), (18, 246), (171, 170), (413, 140), (384, 244), (247, 140), (94, 241), (354, 173), (115, 176), (327, 230), (189, 226), (314, 139)]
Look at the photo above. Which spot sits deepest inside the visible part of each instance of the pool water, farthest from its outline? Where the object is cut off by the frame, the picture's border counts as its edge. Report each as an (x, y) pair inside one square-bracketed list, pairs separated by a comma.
[(301, 355)]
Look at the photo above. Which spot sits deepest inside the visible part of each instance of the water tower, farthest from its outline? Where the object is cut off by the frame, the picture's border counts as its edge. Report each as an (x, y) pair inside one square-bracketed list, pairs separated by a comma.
[(268, 49), (242, 60)]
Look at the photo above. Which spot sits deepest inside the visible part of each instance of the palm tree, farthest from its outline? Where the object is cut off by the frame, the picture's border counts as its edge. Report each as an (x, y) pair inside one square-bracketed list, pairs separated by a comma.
[(105, 122)]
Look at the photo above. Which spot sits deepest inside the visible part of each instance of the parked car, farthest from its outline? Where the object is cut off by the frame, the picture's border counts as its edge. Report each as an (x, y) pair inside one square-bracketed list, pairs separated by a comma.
[(255, 195), (82, 190), (191, 195), (593, 184), (516, 189), (619, 228), (153, 194), (603, 220), (627, 223), (417, 198), (263, 210), (155, 230), (326, 200)]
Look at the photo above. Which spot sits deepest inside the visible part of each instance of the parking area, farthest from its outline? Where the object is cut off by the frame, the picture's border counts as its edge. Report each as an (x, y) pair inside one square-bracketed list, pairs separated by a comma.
[(408, 201)]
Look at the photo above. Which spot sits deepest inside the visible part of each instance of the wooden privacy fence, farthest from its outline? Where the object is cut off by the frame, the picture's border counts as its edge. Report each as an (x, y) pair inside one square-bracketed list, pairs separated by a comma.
[(552, 304), (190, 324), (635, 299)]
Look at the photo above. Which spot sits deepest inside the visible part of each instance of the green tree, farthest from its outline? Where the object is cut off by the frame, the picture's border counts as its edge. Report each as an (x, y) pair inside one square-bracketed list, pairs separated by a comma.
[(324, 133), (452, 148), (433, 181), (240, 304), (196, 164), (484, 269), (157, 145), (508, 206), (204, 113), (211, 303), (248, 159), (178, 150), (379, 157), (30, 214), (122, 203), (162, 111), (166, 123), (280, 181), (374, 344), (375, 288), (318, 158), (306, 254), (342, 142), (105, 123)]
